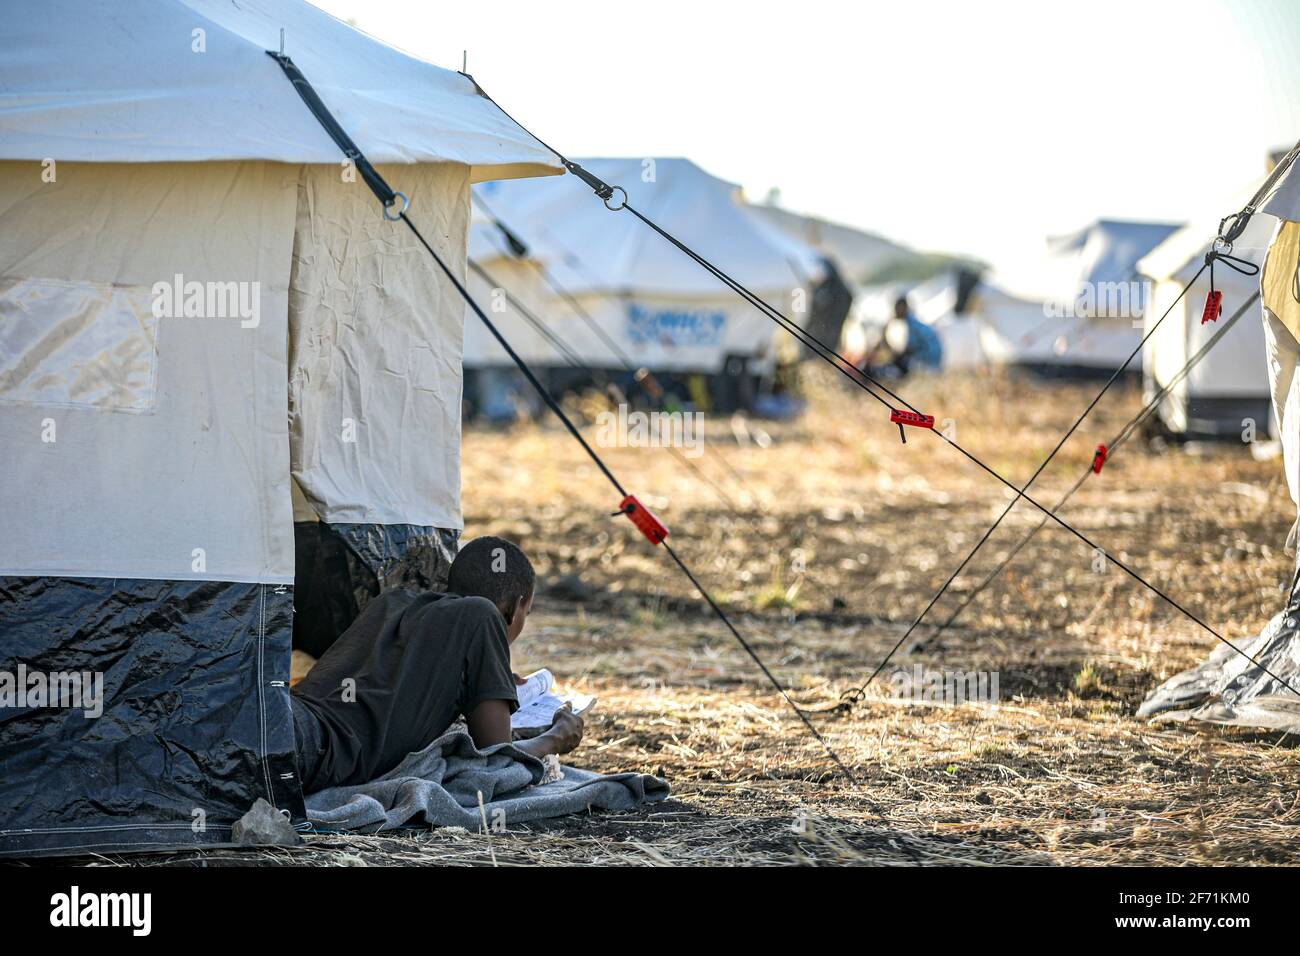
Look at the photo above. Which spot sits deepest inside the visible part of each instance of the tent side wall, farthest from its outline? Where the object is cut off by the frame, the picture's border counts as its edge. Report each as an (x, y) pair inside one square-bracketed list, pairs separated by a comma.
[(523, 283), (147, 539), (1230, 383), (683, 334), (375, 383), (1022, 333)]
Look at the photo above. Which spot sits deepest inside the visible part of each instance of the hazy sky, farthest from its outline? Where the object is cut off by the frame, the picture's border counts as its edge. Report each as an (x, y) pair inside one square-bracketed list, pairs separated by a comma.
[(956, 126)]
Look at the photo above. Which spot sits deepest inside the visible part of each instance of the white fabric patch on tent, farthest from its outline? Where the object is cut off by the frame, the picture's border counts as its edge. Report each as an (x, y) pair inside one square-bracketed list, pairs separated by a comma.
[(77, 344), (135, 496), (189, 80), (375, 349)]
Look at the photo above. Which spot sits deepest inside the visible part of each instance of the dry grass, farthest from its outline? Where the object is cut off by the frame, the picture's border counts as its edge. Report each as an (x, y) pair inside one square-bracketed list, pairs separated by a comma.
[(1058, 773)]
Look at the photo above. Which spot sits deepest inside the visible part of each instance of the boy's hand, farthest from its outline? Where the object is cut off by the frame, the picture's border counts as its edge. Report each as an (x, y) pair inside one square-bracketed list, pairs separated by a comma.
[(566, 729)]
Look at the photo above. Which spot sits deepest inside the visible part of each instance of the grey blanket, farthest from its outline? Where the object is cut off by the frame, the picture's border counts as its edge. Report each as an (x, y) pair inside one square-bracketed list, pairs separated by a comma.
[(441, 785), (1229, 690)]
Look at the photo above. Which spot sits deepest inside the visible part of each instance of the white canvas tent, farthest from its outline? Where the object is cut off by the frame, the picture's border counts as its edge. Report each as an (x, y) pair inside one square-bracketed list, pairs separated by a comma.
[(1230, 384), (1228, 689), (661, 308), (1018, 331), (207, 331), (514, 281), (505, 283), (1078, 308), (855, 252)]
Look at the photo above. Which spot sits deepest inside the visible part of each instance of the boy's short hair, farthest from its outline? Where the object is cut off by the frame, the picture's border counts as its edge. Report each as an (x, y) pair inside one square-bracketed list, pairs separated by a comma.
[(493, 568)]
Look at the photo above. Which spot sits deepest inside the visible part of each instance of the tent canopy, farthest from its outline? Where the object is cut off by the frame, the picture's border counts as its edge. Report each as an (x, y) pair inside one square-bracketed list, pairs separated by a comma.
[(856, 252), (591, 249), (1104, 252), (132, 81), (1108, 249)]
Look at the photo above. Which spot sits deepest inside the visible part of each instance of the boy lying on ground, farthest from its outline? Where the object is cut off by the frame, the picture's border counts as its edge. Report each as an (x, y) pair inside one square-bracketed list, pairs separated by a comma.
[(412, 663)]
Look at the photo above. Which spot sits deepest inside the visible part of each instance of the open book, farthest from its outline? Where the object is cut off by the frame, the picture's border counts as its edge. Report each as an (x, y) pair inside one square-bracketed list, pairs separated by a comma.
[(538, 702)]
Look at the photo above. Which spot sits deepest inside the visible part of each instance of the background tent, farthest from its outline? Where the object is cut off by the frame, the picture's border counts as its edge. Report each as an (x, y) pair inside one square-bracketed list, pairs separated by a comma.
[(1105, 254), (1230, 384), (157, 459), (1228, 688), (657, 305), (504, 281), (1076, 310), (852, 257), (856, 253)]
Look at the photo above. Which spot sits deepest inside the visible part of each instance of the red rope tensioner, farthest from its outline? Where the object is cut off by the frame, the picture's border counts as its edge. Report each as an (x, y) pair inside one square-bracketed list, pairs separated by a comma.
[(643, 518), (1214, 298), (1098, 459), (900, 418)]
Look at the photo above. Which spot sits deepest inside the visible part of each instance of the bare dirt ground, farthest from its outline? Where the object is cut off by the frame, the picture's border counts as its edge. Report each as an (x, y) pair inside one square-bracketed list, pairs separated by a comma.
[(844, 535)]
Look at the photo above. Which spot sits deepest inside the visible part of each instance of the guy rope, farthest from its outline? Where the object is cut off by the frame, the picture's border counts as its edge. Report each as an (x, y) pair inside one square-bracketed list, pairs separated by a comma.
[(643, 519), (909, 415)]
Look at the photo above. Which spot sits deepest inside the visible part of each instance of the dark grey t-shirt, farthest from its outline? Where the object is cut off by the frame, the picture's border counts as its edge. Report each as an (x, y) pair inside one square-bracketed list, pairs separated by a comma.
[(416, 661)]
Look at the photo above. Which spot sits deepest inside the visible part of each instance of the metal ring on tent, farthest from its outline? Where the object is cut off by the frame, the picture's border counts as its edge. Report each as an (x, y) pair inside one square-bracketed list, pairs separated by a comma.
[(406, 204), (621, 205), (1221, 245)]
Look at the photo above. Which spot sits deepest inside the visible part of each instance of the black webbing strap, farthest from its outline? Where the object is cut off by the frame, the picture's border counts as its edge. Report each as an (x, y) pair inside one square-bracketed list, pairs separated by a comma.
[(383, 192)]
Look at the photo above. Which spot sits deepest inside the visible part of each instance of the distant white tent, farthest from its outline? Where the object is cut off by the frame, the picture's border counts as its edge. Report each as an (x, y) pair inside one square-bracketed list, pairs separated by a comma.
[(508, 283), (1228, 689), (1230, 384), (1100, 266), (661, 308), (504, 282), (1023, 332), (207, 331), (855, 252), (1079, 307)]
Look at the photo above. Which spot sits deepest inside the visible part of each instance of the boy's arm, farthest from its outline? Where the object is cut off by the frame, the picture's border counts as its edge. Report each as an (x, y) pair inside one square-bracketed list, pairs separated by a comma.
[(489, 724)]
